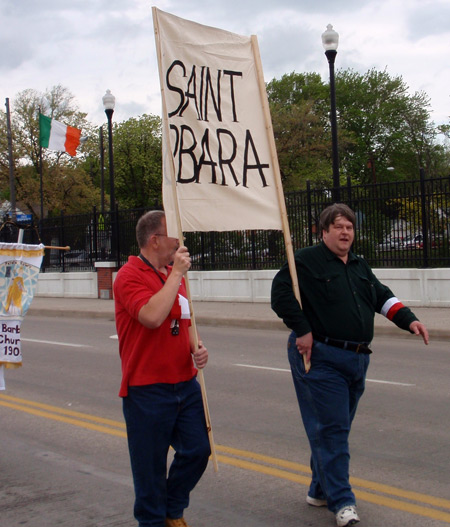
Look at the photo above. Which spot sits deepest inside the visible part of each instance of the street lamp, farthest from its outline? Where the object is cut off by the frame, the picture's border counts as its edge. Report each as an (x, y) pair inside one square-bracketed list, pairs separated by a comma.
[(330, 41), (109, 102)]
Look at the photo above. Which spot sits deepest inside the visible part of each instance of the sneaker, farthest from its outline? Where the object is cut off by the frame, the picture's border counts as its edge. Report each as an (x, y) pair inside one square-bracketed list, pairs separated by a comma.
[(347, 516), (315, 502), (176, 522)]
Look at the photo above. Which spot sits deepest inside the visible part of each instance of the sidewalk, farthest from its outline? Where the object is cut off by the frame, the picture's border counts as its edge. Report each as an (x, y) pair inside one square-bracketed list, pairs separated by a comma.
[(257, 315)]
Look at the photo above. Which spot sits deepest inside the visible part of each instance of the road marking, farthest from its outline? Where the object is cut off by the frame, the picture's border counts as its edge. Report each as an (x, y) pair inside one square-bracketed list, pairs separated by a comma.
[(377, 493), (288, 371), (261, 367), (63, 415), (56, 343), (390, 382)]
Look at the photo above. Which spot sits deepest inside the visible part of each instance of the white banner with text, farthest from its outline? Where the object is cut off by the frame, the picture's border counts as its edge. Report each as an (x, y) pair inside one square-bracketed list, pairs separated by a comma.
[(217, 164)]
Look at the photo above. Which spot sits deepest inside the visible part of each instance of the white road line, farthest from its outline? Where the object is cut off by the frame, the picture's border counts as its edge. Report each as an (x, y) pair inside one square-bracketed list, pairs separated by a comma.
[(261, 367), (56, 343), (288, 371), (390, 382)]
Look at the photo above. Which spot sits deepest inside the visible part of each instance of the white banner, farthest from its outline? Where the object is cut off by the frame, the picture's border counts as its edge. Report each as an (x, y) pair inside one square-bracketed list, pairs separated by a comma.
[(19, 271), (217, 163)]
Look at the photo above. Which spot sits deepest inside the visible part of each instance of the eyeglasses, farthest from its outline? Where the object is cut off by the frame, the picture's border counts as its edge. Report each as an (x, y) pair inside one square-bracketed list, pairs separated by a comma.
[(165, 235)]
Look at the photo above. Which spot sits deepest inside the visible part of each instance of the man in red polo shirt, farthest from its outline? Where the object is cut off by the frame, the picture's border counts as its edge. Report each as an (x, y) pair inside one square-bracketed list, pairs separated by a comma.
[(162, 401)]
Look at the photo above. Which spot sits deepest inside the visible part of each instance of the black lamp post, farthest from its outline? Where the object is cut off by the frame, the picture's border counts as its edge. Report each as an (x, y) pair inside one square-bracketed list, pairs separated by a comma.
[(102, 169), (330, 41), (108, 103)]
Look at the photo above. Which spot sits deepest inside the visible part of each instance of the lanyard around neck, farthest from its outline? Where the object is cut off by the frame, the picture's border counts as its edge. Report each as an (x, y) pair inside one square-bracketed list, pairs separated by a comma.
[(174, 326), (144, 259)]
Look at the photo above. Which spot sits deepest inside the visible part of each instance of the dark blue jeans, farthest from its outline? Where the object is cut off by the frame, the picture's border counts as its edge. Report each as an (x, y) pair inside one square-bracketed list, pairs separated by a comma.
[(159, 416), (328, 396)]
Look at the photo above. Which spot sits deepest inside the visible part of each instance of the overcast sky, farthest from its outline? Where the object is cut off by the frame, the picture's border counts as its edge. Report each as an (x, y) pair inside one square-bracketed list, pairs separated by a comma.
[(89, 46)]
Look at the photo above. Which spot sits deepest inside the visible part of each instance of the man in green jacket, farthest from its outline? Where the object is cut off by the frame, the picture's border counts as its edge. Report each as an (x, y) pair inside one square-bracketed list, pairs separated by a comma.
[(333, 330)]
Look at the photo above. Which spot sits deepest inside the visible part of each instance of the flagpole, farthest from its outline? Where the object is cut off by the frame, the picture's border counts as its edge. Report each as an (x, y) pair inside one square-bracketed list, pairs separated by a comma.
[(200, 375), (277, 176)]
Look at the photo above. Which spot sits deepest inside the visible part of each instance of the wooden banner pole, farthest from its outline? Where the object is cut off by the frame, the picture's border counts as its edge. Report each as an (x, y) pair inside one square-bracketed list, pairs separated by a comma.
[(276, 170), (200, 376), (66, 248)]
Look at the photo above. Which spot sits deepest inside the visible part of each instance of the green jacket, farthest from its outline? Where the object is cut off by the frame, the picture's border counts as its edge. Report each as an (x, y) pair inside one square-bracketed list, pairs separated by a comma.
[(338, 300)]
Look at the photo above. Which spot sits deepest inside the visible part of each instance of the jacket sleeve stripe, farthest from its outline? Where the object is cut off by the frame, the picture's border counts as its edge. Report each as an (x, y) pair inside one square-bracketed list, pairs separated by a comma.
[(391, 307)]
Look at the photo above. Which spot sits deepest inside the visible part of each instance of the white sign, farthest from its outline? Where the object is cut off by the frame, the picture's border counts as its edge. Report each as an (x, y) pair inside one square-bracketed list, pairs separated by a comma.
[(10, 341)]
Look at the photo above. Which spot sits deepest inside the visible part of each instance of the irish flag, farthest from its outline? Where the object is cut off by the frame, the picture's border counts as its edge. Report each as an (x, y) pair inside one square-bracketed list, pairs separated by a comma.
[(57, 136)]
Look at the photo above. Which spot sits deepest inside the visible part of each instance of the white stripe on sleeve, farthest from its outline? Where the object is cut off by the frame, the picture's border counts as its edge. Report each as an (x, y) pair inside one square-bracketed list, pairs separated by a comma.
[(388, 304)]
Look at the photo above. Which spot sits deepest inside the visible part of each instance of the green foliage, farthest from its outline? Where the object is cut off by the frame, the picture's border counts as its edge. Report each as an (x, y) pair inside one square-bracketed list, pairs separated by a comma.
[(65, 186), (74, 184), (400, 132), (137, 161), (384, 132), (293, 88), (298, 117), (301, 144)]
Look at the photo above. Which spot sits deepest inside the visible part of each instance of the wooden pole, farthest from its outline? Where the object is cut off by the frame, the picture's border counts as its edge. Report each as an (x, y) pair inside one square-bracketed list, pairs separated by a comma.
[(200, 376), (66, 248), (276, 170)]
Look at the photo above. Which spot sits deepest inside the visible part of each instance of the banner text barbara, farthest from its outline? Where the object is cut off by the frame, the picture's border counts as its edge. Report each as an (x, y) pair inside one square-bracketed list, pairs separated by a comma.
[(230, 152)]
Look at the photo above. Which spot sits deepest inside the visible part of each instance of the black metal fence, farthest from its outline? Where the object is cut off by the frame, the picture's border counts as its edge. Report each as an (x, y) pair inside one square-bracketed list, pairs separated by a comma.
[(400, 224)]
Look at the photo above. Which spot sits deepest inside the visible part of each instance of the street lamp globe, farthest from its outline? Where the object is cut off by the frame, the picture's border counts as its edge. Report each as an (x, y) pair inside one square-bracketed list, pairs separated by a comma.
[(109, 101), (330, 39)]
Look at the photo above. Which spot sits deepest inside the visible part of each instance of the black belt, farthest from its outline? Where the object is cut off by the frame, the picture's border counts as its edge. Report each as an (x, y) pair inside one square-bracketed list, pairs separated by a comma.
[(357, 347)]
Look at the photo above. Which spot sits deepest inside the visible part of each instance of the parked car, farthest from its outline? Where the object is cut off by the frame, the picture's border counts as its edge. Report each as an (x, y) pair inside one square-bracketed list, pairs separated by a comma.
[(389, 244), (413, 241), (416, 242), (76, 259)]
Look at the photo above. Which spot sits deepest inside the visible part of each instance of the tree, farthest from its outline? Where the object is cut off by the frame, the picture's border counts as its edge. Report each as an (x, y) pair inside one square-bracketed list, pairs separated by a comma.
[(389, 127), (137, 161), (302, 146), (380, 126), (65, 185), (299, 119), (293, 88)]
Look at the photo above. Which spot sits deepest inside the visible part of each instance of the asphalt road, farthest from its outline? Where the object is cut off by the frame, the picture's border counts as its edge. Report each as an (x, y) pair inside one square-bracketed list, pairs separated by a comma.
[(64, 460)]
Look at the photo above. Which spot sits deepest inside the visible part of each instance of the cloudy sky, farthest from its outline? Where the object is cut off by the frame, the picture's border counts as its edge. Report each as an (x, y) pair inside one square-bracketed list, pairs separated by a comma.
[(89, 46)]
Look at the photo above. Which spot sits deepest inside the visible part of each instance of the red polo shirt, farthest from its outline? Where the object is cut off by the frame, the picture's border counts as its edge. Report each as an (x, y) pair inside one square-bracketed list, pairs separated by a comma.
[(149, 356)]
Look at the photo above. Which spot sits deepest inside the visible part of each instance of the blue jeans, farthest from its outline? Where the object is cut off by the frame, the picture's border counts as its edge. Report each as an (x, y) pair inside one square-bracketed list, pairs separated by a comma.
[(158, 416), (328, 396)]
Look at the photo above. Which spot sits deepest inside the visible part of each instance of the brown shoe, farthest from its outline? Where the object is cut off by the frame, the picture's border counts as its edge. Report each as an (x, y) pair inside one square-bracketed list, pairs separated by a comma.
[(176, 522)]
